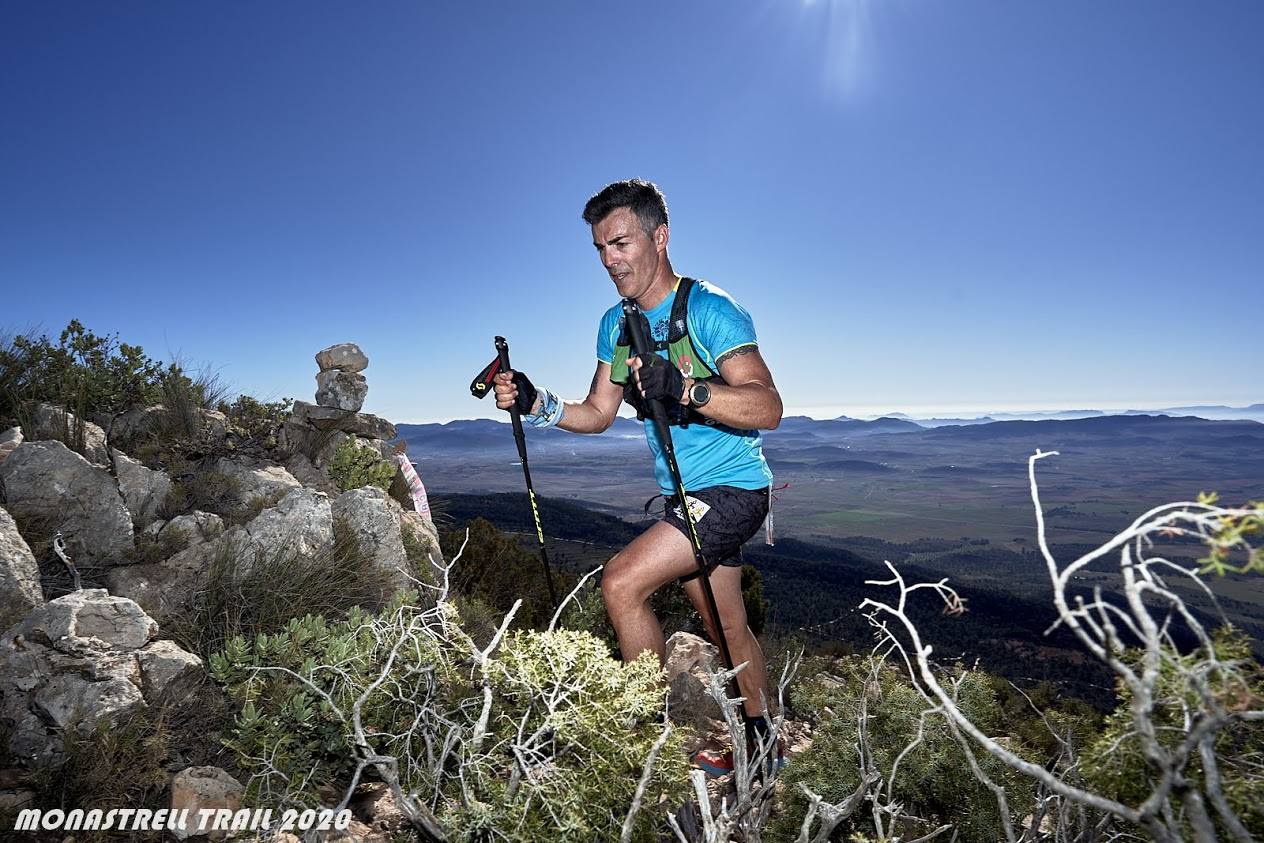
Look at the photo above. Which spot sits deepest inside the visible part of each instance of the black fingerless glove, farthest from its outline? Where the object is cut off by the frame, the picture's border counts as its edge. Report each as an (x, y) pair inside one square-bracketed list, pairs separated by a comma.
[(526, 393), (660, 379)]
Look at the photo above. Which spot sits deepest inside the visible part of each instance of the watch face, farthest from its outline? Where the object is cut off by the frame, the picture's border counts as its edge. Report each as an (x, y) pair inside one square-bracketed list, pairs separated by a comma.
[(699, 394)]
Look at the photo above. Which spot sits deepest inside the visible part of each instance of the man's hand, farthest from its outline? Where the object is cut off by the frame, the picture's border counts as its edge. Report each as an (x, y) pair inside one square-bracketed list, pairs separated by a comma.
[(658, 378), (515, 388)]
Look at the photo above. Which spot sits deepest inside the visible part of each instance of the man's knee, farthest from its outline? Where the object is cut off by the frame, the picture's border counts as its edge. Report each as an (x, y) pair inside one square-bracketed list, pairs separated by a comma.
[(618, 585)]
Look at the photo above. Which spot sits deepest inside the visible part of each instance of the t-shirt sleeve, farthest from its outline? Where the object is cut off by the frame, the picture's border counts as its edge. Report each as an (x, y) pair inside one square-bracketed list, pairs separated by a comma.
[(722, 325), (606, 335)]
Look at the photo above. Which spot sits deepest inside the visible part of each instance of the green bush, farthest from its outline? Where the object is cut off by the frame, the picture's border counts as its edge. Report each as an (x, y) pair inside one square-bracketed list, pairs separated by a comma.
[(583, 723), (1114, 766), (355, 466), (934, 781)]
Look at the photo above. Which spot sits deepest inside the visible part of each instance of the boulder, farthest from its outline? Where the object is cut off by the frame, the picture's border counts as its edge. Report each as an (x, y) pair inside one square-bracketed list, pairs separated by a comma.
[(50, 485), (332, 418), (168, 673), (264, 481), (690, 660), (81, 660), (346, 356), (143, 489), (309, 475), (199, 526), (9, 440), (194, 789), (422, 529), (372, 518), (342, 390), (301, 522), (55, 423), (19, 574)]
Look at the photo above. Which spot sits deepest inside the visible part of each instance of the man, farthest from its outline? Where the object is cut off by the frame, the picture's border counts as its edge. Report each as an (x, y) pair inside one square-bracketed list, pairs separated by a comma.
[(718, 448)]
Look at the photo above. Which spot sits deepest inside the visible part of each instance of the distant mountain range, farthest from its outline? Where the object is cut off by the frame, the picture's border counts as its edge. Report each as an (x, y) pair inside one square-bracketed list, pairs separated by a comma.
[(1213, 412)]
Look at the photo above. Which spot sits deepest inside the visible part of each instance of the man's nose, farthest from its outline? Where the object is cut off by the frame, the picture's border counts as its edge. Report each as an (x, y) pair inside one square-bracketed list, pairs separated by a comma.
[(608, 259)]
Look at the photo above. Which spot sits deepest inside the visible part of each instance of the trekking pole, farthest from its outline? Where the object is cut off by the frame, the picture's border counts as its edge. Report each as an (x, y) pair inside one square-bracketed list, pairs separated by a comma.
[(502, 349), (658, 413)]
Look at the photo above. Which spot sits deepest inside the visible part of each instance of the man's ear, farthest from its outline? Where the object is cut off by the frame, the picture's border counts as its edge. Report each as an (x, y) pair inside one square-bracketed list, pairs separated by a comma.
[(661, 235)]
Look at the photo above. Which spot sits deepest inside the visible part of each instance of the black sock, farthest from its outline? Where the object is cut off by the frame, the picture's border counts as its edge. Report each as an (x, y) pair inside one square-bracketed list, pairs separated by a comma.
[(756, 728)]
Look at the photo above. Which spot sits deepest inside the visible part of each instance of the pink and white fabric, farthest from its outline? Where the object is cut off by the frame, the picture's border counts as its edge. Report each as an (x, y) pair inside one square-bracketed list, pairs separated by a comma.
[(415, 487)]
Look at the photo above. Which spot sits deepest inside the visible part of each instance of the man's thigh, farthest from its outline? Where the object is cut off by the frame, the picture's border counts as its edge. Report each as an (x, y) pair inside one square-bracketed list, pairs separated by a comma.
[(656, 557)]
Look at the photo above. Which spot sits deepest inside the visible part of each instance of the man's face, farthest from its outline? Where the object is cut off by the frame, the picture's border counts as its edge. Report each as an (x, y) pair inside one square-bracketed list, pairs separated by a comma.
[(630, 256)]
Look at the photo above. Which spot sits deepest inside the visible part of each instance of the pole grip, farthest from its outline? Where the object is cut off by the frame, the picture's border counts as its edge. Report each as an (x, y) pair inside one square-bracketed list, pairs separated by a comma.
[(641, 345), (515, 417)]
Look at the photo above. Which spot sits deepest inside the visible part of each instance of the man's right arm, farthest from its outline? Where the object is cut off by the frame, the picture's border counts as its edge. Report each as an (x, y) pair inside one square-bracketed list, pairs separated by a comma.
[(593, 414)]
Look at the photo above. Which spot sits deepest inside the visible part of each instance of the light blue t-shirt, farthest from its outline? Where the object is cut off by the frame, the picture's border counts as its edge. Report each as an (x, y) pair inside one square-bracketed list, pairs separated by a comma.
[(708, 455)]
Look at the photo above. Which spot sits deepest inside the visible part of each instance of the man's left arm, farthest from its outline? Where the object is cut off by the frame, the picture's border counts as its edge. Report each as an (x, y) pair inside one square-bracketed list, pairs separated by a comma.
[(748, 398)]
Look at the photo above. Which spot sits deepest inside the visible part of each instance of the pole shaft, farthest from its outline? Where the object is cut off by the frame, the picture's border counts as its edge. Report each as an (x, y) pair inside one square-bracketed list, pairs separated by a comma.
[(520, 439)]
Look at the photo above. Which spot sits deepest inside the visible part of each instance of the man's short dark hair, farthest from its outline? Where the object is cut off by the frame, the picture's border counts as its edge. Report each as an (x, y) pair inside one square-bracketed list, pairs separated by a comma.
[(643, 197)]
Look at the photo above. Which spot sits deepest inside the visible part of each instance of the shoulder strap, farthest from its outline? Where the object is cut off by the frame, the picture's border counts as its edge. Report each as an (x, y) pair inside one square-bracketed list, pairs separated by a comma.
[(679, 324)]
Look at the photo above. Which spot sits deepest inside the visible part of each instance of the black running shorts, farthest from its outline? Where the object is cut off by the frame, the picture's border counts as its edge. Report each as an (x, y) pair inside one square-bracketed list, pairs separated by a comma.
[(725, 517)]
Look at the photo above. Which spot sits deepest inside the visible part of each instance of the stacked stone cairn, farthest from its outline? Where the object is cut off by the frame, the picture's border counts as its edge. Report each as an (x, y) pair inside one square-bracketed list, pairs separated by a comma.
[(314, 432)]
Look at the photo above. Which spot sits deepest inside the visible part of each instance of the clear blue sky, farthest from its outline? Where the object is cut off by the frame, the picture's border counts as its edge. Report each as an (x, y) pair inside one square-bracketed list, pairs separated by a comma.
[(926, 205)]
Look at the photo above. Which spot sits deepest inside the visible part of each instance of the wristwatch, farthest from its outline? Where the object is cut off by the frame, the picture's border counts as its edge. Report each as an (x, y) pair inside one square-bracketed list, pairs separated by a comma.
[(699, 394)]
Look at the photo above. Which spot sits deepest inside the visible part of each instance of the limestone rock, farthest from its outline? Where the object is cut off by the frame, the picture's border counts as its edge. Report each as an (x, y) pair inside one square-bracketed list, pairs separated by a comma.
[(422, 528), (55, 423), (81, 660), (168, 672), (309, 475), (332, 418), (196, 788), (689, 661), (267, 481), (19, 573), (143, 489), (90, 621), (9, 440), (346, 356), (199, 526), (342, 390), (373, 519), (301, 522), (49, 484)]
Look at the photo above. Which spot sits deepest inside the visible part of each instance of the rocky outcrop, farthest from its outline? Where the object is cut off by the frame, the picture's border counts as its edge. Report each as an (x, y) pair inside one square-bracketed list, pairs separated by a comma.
[(19, 574), (52, 422), (9, 440), (80, 660), (203, 788), (331, 418), (143, 489), (197, 526), (690, 660), (50, 486), (258, 481), (310, 475), (300, 523), (372, 518)]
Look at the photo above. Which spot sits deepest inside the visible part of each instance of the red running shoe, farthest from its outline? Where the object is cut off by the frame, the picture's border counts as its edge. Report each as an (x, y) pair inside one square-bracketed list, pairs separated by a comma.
[(716, 763)]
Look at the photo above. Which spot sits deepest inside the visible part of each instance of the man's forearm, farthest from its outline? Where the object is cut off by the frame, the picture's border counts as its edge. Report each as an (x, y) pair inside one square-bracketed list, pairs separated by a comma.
[(583, 417), (751, 406)]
